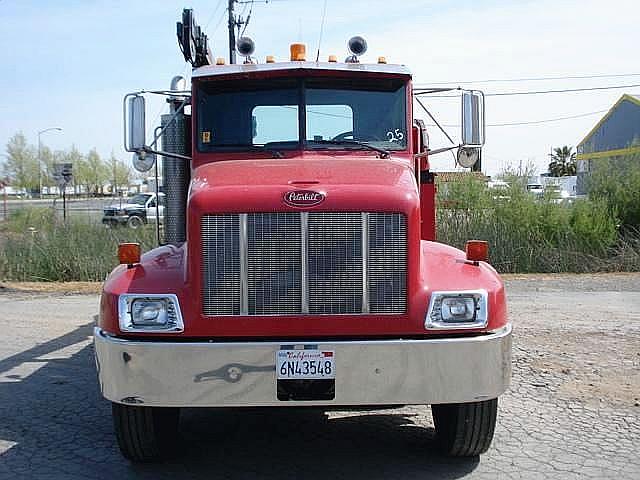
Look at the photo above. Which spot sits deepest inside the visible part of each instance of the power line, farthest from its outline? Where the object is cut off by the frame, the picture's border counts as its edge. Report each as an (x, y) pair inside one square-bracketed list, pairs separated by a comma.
[(536, 79), (556, 119), (530, 122), (565, 90), (215, 29), (215, 10), (246, 23), (533, 92)]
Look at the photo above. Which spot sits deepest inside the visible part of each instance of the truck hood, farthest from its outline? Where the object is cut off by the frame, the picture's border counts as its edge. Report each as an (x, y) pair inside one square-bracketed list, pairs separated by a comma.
[(345, 183), (124, 206)]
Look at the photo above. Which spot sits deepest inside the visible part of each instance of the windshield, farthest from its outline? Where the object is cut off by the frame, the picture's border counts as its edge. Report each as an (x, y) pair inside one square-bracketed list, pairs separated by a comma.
[(139, 199), (291, 113)]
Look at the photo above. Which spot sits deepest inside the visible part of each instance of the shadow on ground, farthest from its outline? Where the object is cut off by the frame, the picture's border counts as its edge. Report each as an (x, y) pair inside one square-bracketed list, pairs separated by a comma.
[(55, 424)]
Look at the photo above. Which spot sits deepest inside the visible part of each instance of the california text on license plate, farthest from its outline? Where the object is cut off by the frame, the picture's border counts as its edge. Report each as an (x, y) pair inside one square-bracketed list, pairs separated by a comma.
[(305, 364)]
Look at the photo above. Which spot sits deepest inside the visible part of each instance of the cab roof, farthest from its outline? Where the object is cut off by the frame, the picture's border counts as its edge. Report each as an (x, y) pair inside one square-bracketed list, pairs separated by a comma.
[(221, 70)]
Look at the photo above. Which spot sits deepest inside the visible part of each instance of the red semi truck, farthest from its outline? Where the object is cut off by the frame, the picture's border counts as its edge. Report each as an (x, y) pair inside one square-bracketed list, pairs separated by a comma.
[(300, 264)]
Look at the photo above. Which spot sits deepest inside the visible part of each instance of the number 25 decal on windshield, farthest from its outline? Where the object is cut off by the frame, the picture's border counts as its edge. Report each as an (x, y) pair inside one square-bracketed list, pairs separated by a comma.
[(395, 135)]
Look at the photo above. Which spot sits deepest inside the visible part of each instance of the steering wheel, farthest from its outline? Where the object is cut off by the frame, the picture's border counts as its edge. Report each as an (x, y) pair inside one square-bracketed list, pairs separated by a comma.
[(343, 136)]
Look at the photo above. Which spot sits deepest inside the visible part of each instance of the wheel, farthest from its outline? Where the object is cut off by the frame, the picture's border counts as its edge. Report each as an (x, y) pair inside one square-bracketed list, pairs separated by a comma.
[(145, 434), (135, 222), (465, 429)]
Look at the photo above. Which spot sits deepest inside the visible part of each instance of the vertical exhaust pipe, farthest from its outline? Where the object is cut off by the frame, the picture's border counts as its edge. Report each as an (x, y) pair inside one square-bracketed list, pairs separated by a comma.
[(176, 172)]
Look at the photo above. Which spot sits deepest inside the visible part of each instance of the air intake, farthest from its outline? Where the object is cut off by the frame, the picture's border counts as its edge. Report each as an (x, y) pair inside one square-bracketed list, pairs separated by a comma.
[(309, 263)]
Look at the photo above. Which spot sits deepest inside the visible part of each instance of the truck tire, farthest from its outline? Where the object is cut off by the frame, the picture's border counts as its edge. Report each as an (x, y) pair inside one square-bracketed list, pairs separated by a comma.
[(135, 221), (465, 429), (145, 434)]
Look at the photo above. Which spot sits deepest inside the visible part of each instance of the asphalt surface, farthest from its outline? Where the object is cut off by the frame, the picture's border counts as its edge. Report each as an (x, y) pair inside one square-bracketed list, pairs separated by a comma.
[(90, 208), (572, 412)]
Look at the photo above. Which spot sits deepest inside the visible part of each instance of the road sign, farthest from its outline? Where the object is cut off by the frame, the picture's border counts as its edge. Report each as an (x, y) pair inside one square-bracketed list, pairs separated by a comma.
[(63, 174)]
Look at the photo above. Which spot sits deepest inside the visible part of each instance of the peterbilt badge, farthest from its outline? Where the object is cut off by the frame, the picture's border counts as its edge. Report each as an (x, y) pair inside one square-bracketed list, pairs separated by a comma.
[(303, 198)]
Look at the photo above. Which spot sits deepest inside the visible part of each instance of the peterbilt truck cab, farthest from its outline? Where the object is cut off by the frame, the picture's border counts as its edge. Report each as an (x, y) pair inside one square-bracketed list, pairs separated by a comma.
[(301, 266)]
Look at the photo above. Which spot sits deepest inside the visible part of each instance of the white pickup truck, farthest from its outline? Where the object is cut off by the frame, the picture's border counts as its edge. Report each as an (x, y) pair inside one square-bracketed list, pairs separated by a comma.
[(136, 212)]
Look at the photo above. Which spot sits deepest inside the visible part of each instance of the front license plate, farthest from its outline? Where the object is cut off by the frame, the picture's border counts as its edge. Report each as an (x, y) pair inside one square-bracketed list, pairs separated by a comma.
[(305, 364)]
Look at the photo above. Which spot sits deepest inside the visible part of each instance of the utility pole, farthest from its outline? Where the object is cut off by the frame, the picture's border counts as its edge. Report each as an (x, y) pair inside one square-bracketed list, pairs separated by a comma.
[(232, 32)]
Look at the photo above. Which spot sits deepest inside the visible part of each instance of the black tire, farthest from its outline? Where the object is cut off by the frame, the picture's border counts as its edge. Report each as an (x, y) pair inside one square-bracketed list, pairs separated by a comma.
[(465, 429), (135, 221), (145, 434)]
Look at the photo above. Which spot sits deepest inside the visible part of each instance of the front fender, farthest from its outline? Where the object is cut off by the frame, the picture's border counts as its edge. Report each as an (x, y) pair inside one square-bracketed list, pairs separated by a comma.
[(161, 270), (445, 268)]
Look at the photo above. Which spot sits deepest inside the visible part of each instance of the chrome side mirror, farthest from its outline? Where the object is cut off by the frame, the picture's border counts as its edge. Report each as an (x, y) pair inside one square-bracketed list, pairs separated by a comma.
[(135, 123), (473, 123)]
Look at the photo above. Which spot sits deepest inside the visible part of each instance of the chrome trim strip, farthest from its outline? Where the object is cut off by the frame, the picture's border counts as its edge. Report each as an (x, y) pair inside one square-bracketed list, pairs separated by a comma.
[(376, 372), (365, 263), (244, 268), (304, 258)]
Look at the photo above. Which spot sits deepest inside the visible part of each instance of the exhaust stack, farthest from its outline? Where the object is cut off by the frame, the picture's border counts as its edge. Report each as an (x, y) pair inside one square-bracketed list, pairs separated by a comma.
[(176, 172)]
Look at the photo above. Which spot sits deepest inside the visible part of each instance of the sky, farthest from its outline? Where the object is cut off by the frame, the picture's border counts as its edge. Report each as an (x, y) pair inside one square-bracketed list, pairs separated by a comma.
[(68, 64)]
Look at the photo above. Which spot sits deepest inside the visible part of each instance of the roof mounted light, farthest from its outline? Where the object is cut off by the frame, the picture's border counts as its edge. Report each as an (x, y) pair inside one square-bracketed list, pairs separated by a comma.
[(298, 52), (357, 46), (246, 47)]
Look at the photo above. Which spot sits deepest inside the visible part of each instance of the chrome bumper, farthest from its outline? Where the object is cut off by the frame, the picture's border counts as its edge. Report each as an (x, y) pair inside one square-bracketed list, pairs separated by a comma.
[(376, 372)]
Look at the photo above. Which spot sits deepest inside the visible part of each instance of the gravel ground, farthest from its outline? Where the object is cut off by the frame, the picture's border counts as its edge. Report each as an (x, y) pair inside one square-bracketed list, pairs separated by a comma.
[(573, 410)]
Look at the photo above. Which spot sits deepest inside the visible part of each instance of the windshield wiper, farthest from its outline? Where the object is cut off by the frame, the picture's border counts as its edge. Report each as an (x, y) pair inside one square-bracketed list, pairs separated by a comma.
[(252, 148), (383, 153)]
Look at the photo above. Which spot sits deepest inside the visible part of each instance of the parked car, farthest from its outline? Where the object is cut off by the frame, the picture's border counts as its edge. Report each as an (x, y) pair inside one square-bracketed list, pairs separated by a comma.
[(536, 189), (138, 211)]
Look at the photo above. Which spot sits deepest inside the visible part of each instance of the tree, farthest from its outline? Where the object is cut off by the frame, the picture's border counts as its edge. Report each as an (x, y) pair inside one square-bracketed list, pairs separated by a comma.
[(47, 159), (21, 164), (120, 173), (80, 172), (563, 162), (95, 172)]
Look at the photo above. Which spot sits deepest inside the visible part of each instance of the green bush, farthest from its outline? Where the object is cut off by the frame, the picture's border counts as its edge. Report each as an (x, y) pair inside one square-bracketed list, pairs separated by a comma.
[(528, 234), (38, 247), (616, 182)]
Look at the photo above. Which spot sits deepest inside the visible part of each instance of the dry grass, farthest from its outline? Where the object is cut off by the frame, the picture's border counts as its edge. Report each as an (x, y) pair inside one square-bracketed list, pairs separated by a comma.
[(81, 288)]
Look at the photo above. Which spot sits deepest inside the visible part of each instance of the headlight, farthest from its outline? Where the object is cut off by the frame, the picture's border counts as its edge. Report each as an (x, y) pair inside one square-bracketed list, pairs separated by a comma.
[(457, 310), (149, 313)]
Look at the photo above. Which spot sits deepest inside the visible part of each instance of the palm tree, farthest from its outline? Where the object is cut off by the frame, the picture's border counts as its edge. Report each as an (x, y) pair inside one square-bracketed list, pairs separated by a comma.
[(563, 162)]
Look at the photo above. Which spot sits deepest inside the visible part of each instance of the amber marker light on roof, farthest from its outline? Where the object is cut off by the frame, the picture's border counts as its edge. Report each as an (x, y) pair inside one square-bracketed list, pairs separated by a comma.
[(219, 61), (270, 59), (129, 253), (333, 58), (477, 250), (382, 60), (298, 52)]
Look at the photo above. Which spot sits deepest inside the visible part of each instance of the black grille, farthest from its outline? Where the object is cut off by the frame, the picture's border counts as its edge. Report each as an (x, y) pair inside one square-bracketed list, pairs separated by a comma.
[(387, 262), (274, 263), (221, 261), (295, 263), (335, 263)]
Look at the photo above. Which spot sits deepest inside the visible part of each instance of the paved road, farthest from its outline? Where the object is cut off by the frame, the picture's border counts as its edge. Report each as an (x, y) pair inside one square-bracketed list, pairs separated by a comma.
[(89, 208), (573, 410)]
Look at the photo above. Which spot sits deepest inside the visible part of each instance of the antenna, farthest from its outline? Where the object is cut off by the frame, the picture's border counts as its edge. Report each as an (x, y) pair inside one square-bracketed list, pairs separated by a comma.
[(324, 14)]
